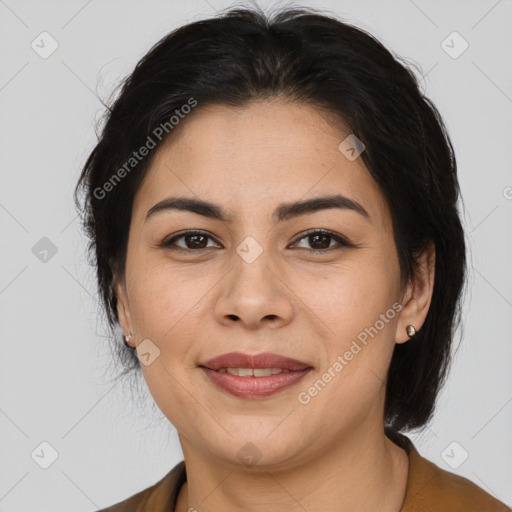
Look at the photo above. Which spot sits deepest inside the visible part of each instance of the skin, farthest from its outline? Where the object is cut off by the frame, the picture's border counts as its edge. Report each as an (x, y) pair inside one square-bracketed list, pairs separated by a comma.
[(330, 454)]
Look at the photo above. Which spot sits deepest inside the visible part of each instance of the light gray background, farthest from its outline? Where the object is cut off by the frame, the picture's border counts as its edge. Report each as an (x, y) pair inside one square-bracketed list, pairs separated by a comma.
[(55, 363)]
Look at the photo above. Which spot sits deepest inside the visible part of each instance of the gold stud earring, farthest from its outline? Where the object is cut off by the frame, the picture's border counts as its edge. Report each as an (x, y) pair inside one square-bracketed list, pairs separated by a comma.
[(127, 338), (411, 331)]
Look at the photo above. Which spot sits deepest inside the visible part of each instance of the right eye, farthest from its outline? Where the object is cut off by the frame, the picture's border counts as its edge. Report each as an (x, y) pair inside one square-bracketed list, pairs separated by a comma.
[(193, 240)]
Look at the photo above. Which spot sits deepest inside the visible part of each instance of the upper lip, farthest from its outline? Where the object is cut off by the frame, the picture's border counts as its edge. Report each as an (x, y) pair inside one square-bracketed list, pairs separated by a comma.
[(265, 360)]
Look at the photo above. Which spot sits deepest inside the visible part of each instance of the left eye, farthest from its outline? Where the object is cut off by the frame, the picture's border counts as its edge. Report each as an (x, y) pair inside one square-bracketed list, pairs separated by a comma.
[(322, 239)]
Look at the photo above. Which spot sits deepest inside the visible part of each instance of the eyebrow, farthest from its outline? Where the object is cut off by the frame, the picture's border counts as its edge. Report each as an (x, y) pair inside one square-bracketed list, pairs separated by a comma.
[(284, 211)]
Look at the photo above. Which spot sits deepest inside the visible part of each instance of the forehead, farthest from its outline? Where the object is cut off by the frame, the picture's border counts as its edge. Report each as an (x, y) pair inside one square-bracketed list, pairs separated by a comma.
[(249, 157)]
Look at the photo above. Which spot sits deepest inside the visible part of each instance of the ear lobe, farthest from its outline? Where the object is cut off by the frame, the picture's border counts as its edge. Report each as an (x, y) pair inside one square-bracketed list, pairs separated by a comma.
[(419, 295)]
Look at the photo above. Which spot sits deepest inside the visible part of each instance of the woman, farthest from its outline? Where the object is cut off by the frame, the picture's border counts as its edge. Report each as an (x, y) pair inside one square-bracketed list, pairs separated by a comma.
[(273, 211)]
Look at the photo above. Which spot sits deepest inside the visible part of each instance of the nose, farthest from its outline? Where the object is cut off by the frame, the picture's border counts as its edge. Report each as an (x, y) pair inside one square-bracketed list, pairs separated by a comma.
[(255, 295)]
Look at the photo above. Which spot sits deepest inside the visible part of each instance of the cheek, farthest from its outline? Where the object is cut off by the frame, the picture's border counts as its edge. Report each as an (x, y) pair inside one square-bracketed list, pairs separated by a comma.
[(166, 305), (356, 310), (162, 299), (351, 298)]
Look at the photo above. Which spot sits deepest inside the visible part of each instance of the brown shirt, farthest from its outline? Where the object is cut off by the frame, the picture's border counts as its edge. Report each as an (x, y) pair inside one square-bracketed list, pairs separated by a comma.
[(429, 489)]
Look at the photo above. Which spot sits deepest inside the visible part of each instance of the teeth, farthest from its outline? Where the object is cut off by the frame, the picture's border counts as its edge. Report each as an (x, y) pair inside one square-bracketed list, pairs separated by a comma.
[(262, 372), (241, 372), (252, 372)]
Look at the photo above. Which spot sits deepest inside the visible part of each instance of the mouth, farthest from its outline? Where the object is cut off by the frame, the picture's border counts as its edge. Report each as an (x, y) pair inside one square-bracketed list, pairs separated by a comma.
[(252, 372), (254, 376), (235, 361)]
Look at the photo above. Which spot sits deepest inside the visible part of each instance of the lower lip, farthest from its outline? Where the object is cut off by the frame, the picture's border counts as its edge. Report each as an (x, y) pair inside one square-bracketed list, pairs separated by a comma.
[(255, 387)]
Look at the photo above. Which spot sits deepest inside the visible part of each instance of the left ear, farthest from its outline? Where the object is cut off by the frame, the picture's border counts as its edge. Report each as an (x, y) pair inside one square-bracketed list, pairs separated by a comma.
[(418, 295)]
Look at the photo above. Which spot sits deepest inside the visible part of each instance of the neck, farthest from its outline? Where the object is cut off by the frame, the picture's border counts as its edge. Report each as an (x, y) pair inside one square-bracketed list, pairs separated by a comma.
[(363, 471)]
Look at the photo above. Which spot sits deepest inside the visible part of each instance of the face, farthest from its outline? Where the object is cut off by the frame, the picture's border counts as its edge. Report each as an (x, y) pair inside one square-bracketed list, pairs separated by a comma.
[(317, 285)]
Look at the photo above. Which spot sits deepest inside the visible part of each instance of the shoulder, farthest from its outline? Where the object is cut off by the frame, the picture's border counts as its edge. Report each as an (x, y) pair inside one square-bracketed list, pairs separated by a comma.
[(160, 497), (431, 488), (132, 504)]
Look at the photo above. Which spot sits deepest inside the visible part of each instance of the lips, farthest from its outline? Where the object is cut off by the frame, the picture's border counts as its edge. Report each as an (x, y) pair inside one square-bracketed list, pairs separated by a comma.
[(254, 376), (265, 360)]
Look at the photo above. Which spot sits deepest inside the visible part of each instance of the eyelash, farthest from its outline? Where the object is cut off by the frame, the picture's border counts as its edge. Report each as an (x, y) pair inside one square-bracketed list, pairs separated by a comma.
[(342, 241)]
